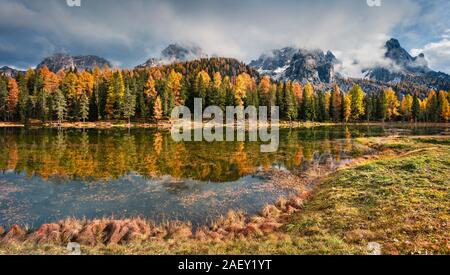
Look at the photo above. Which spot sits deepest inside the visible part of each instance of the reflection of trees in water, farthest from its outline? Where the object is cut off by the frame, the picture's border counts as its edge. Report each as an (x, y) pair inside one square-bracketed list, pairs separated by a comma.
[(104, 154)]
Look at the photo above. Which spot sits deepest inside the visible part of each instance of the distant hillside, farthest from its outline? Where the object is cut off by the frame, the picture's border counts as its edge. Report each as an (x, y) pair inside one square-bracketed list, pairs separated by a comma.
[(225, 66)]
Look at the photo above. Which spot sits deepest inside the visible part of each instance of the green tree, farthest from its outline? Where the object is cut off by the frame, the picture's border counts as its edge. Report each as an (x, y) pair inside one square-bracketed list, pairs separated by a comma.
[(157, 109), (357, 102), (129, 105), (415, 109), (308, 103), (84, 107), (60, 107)]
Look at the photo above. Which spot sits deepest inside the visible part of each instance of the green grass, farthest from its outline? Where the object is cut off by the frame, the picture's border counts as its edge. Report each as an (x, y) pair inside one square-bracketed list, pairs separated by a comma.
[(401, 201)]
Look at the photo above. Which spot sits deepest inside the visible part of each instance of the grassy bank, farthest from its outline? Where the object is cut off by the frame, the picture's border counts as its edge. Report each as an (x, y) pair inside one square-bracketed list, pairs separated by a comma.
[(400, 200)]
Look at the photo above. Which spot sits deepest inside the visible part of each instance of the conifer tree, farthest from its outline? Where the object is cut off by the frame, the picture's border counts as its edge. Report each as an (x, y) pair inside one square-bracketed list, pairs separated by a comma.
[(157, 109), (347, 108), (415, 109), (336, 104), (13, 97), (84, 107), (129, 105), (356, 95), (392, 104), (60, 106)]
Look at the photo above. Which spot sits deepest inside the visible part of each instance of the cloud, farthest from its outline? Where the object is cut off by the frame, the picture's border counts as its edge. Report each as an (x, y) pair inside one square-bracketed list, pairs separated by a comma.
[(437, 54), (129, 32)]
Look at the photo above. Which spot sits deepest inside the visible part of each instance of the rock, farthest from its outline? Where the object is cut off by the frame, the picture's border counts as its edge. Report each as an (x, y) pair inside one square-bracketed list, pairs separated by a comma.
[(303, 65), (404, 67), (9, 72), (174, 53), (61, 61)]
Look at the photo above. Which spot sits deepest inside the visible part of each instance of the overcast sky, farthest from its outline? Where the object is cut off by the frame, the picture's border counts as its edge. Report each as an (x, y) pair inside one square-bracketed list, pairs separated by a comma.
[(129, 32)]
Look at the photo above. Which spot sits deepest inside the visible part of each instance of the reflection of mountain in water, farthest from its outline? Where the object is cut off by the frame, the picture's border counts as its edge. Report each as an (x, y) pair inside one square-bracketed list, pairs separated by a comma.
[(105, 154)]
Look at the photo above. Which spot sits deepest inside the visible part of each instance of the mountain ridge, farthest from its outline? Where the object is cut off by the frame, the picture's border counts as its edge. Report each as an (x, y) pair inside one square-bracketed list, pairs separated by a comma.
[(60, 61)]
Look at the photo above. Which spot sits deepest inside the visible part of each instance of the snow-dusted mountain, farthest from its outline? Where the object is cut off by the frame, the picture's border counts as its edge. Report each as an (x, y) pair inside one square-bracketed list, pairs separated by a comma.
[(175, 53), (60, 61), (9, 72), (303, 65)]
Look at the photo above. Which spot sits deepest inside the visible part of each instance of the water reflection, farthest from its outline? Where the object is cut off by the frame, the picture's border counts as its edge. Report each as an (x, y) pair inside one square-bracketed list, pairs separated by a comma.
[(48, 175), (110, 154)]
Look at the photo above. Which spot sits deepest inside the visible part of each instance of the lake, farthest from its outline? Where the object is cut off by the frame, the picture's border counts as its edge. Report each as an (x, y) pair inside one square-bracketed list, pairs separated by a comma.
[(47, 175)]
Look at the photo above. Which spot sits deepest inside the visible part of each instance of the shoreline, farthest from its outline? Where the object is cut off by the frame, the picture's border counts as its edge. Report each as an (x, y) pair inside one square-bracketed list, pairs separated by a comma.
[(168, 125)]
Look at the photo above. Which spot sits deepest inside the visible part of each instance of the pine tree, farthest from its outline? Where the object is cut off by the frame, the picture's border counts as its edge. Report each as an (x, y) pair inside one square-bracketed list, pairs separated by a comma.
[(357, 102), (308, 103), (157, 109), (264, 89), (3, 97), (174, 88), (13, 97), (392, 104), (368, 107), (406, 107), (60, 106), (84, 107), (444, 106), (347, 108), (336, 104), (242, 86), (201, 87), (321, 107), (129, 105), (415, 109), (115, 96), (381, 106)]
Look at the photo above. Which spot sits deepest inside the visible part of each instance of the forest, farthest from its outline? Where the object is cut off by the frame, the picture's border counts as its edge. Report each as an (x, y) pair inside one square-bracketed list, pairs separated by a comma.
[(151, 93)]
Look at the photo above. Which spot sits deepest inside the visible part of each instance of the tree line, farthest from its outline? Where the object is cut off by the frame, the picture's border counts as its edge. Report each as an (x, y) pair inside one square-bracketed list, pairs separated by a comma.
[(151, 93)]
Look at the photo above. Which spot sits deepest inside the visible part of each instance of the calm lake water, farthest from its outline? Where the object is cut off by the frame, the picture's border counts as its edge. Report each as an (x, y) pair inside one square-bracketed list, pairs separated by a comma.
[(48, 175)]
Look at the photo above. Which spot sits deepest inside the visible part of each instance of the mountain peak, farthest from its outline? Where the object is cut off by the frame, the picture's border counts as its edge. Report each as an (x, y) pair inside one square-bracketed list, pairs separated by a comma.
[(64, 61), (404, 66), (303, 65), (175, 53), (9, 72), (392, 44)]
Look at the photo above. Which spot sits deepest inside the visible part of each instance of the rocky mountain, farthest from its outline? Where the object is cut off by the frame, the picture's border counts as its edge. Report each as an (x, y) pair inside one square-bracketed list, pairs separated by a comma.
[(303, 65), (9, 72), (60, 61), (404, 67), (175, 53)]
